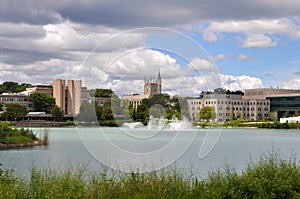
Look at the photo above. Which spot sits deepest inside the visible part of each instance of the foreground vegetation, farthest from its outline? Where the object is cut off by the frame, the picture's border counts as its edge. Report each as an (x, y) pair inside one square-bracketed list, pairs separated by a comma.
[(269, 177)]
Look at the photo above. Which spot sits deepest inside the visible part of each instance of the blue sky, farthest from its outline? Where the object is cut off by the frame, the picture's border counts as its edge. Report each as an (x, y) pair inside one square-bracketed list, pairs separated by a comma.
[(234, 44)]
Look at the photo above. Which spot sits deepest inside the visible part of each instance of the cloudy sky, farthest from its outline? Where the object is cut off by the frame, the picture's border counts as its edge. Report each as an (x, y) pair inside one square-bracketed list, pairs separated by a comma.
[(195, 44)]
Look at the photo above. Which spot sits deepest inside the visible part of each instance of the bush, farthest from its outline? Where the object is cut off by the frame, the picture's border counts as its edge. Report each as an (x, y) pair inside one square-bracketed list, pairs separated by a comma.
[(9, 135)]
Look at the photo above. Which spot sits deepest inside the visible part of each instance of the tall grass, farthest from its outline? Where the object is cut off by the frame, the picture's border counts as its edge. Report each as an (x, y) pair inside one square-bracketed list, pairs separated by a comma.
[(45, 136), (269, 177)]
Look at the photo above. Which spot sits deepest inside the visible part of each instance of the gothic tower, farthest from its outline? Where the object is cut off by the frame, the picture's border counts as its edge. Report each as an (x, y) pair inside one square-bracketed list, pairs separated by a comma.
[(152, 87)]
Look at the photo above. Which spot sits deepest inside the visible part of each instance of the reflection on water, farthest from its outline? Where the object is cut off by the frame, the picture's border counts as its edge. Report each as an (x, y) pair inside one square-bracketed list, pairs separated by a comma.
[(235, 146)]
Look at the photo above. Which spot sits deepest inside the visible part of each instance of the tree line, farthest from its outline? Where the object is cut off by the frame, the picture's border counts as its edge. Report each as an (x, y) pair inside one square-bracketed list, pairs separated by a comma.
[(117, 110), (13, 87)]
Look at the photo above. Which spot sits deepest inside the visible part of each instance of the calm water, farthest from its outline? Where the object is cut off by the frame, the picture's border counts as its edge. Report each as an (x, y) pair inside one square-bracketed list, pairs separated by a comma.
[(235, 146)]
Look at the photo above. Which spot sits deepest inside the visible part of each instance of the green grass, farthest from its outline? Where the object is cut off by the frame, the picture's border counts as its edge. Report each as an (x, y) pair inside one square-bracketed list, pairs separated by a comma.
[(269, 177)]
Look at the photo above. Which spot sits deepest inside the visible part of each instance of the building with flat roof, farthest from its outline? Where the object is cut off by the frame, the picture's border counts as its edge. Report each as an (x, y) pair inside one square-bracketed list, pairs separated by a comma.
[(256, 104), (282, 101), (230, 106)]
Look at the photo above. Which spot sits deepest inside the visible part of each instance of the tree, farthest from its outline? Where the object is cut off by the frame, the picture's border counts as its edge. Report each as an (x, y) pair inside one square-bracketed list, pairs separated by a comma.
[(13, 87), (57, 113), (1, 106), (207, 113), (107, 113), (102, 93), (87, 113), (142, 112), (42, 102), (15, 111)]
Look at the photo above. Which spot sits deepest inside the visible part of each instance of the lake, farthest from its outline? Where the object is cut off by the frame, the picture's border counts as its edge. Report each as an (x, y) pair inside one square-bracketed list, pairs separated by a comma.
[(120, 148)]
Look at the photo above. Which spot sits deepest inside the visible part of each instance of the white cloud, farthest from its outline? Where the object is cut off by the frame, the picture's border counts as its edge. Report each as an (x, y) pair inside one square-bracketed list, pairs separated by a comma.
[(219, 57), (242, 57), (258, 41), (291, 84), (259, 33), (200, 64), (240, 82)]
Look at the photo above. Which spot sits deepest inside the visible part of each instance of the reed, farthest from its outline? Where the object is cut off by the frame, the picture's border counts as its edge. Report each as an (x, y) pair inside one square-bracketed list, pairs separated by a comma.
[(268, 177), (45, 136)]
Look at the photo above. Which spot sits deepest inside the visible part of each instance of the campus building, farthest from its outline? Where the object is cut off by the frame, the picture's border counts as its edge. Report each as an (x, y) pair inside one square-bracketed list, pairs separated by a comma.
[(68, 97), (151, 87), (230, 106), (256, 104), (283, 102)]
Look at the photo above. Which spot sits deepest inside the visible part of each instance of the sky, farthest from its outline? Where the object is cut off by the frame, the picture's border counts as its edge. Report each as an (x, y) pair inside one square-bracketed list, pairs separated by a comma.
[(196, 45)]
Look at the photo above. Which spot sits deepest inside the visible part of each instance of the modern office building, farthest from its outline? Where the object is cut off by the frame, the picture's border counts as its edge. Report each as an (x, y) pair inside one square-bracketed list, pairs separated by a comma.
[(256, 104), (283, 102)]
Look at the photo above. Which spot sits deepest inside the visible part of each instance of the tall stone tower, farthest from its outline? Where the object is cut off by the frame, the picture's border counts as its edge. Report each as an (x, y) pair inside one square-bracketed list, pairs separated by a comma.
[(152, 86)]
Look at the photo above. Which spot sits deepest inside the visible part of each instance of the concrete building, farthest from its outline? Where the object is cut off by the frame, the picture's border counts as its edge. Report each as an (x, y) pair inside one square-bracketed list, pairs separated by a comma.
[(74, 94), (59, 93)]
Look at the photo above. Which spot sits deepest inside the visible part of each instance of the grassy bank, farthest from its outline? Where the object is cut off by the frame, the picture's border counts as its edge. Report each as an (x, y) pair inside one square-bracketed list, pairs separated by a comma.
[(248, 124), (268, 177)]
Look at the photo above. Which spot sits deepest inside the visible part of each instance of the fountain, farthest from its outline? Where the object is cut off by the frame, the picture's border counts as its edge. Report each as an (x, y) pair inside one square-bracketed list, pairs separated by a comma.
[(179, 125), (132, 125), (152, 123), (159, 124)]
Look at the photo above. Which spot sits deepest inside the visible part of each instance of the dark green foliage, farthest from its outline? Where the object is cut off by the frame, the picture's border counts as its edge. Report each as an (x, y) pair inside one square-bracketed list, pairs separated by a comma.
[(9, 135), (15, 111), (57, 113), (107, 93), (42, 102), (13, 87), (1, 106)]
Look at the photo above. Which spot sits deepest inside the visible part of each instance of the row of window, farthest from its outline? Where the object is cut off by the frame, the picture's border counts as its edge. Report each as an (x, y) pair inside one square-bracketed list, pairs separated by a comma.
[(12, 99), (233, 103), (236, 108)]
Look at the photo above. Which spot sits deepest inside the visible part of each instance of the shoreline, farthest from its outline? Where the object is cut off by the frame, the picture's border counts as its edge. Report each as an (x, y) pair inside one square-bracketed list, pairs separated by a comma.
[(22, 145)]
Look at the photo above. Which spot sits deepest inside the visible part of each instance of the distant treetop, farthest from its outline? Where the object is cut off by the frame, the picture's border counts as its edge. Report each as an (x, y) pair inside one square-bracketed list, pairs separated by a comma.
[(221, 91), (13, 87), (101, 92)]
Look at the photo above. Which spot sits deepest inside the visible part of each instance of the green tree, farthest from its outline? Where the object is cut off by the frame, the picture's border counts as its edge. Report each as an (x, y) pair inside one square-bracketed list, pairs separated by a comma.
[(15, 111), (207, 113), (42, 102), (87, 113), (1, 106), (142, 112), (13, 87), (107, 93), (107, 113), (57, 113)]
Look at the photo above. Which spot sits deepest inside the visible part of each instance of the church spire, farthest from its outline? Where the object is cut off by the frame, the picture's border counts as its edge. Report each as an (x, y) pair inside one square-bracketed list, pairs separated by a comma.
[(159, 78)]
